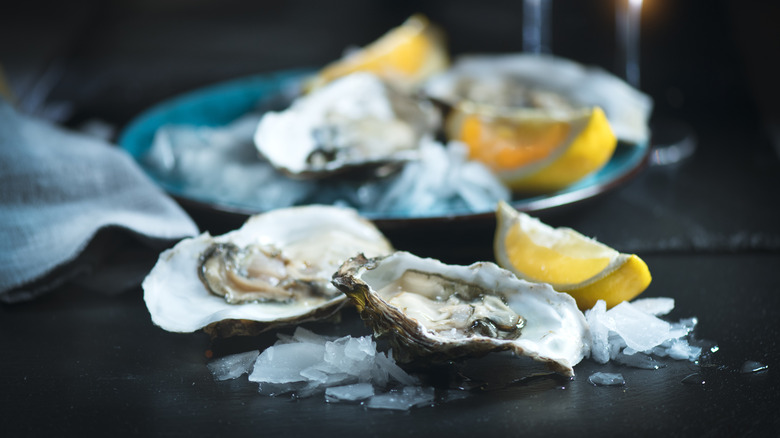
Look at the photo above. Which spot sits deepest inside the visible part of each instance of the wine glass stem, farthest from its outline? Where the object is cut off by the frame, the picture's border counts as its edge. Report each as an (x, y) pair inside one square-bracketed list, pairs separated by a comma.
[(536, 26), (628, 36)]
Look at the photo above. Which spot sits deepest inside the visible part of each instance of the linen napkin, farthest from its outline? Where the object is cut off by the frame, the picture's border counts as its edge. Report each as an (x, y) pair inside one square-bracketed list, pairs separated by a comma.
[(70, 203)]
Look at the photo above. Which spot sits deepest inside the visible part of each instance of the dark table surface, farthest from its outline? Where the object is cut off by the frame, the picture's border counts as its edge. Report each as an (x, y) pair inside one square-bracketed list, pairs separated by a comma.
[(80, 361)]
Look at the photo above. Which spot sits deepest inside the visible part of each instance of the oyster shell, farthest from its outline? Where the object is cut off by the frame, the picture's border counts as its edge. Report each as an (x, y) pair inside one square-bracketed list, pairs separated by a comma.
[(434, 312), (355, 122), (274, 270), (544, 82)]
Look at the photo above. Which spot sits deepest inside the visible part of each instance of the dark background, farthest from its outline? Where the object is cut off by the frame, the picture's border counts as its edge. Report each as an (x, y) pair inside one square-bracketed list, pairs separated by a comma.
[(708, 63), (110, 60), (77, 361)]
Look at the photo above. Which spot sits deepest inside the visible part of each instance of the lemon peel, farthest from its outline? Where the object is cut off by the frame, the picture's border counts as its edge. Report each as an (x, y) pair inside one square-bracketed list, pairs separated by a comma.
[(567, 260), (532, 150), (405, 55)]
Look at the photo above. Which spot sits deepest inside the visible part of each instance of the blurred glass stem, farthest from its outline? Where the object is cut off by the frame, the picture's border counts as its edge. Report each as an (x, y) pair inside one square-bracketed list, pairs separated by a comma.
[(536, 26), (671, 140), (628, 22)]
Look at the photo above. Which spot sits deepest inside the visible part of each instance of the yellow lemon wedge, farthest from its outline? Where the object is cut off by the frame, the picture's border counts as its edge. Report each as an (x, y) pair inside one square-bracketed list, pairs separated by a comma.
[(532, 150), (570, 262), (405, 55)]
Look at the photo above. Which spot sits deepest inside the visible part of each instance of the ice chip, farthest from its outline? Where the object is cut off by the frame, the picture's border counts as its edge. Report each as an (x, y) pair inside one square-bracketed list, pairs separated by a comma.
[(442, 180), (474, 183), (455, 394), (684, 326), (387, 364), (656, 306), (639, 360), (315, 374), (751, 366), (419, 395), (379, 375), (305, 364), (680, 350), (310, 389), (600, 349), (639, 330), (616, 344), (346, 355), (360, 348), (275, 389), (233, 366), (284, 363), (283, 338), (606, 379), (402, 400), (349, 393), (303, 335)]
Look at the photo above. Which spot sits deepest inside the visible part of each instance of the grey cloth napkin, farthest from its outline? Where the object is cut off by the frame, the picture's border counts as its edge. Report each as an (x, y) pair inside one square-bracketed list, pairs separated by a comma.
[(69, 203)]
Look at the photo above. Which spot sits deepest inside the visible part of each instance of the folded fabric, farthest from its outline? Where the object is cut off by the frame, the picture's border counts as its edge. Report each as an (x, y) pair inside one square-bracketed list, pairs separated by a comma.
[(67, 201)]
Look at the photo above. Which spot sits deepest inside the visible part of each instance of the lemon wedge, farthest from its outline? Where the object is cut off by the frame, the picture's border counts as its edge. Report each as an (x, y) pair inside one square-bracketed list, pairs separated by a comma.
[(532, 150), (570, 262), (405, 55)]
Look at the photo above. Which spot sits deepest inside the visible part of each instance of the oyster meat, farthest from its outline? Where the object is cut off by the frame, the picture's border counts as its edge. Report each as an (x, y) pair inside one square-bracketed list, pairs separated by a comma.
[(433, 312), (355, 122), (274, 270), (548, 83)]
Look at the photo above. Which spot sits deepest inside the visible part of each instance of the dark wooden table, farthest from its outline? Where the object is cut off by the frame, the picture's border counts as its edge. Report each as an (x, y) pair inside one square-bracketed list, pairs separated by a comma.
[(79, 361)]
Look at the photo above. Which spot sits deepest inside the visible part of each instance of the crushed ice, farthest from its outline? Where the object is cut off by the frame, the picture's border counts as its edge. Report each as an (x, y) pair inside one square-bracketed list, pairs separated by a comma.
[(345, 369), (351, 370), (630, 332), (220, 164)]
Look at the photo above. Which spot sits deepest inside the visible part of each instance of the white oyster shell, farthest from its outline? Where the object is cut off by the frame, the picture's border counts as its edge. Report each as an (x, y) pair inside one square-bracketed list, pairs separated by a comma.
[(353, 122), (555, 331), (320, 236), (627, 109)]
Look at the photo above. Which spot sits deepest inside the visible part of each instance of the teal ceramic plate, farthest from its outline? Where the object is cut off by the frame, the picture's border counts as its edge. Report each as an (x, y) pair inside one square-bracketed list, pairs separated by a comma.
[(222, 103)]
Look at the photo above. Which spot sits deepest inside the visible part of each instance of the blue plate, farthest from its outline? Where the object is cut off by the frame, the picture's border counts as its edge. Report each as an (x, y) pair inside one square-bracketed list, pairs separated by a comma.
[(222, 103)]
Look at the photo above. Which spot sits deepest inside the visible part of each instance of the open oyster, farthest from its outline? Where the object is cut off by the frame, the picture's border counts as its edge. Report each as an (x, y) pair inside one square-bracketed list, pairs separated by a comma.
[(548, 83), (354, 122), (434, 312), (274, 270)]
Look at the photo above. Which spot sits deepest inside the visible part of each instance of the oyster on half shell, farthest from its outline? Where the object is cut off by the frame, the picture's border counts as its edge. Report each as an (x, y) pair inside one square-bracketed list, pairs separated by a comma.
[(357, 122), (274, 270), (545, 83), (433, 312)]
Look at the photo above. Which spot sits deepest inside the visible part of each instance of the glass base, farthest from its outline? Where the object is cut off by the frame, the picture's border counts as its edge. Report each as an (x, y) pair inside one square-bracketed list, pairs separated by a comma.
[(671, 141)]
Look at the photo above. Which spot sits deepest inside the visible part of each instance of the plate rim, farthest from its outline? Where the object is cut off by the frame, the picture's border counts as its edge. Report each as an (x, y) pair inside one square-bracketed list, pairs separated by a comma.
[(138, 128)]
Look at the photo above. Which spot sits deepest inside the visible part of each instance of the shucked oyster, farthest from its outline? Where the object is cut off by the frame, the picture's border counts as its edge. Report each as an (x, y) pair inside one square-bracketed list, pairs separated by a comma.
[(434, 312), (274, 270), (553, 84), (355, 122)]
